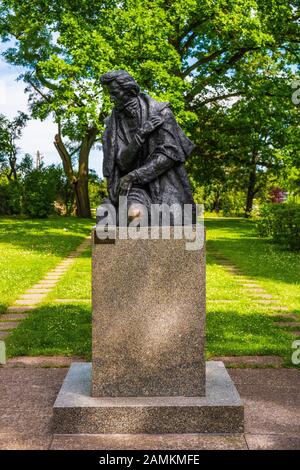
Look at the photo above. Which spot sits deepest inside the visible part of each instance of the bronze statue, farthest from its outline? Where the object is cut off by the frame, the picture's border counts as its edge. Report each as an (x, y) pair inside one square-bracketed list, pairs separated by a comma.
[(144, 149)]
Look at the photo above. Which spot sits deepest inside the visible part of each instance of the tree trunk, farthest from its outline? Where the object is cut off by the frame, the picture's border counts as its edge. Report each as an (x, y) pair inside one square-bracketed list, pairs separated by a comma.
[(79, 183), (82, 184), (251, 187)]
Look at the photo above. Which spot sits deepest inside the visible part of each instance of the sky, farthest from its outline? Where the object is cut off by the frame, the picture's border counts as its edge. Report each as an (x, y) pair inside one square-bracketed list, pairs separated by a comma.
[(37, 135)]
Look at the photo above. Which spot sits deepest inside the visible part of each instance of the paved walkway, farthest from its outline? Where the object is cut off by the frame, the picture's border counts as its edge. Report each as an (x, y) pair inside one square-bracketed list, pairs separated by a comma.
[(272, 414)]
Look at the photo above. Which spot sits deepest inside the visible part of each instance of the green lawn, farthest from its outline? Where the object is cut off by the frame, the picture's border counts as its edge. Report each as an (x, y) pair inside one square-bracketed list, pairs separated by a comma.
[(277, 270), (29, 248), (236, 323), (59, 328)]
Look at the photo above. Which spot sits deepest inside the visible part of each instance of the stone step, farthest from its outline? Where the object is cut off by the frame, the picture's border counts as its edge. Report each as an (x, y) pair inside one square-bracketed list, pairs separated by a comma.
[(38, 291), (265, 296), (12, 316), (295, 333), (48, 282), (38, 296), (256, 290), (25, 302), (288, 323), (71, 300), (279, 308), (59, 271), (267, 301), (4, 334), (251, 285), (43, 286), (8, 325), (283, 316), (19, 309)]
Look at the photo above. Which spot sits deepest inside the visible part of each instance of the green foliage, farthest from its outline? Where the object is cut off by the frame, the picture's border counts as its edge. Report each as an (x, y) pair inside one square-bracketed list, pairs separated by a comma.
[(39, 193), (10, 201), (97, 189), (225, 66), (282, 223)]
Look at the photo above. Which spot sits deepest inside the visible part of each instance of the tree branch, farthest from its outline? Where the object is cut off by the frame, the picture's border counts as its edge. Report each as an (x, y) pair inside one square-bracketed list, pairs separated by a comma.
[(202, 61), (217, 98)]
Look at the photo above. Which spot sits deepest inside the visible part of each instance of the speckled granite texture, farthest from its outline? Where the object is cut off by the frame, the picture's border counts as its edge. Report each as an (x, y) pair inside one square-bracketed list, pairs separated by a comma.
[(220, 411), (148, 319)]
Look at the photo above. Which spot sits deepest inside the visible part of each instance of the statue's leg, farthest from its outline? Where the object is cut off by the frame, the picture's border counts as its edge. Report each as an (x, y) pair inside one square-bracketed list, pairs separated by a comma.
[(139, 206)]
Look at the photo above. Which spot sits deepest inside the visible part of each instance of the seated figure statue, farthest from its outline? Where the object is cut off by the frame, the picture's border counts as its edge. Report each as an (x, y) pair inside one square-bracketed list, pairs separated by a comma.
[(144, 152)]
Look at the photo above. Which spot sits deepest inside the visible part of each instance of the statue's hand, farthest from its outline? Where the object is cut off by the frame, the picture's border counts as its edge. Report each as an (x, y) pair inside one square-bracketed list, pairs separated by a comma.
[(151, 124), (125, 184)]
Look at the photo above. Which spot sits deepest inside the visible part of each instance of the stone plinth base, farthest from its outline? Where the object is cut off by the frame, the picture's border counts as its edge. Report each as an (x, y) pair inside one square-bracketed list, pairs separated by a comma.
[(148, 318), (77, 412)]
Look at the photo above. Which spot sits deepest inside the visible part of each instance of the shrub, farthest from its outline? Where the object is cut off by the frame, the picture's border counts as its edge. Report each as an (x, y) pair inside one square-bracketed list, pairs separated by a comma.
[(10, 196), (282, 223), (286, 227), (39, 193)]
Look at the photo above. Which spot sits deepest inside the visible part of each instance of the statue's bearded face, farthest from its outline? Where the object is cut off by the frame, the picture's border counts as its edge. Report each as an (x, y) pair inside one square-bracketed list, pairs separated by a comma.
[(117, 94)]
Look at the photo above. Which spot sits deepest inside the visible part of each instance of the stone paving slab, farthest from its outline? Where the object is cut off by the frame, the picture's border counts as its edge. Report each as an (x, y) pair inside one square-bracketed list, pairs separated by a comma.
[(19, 309), (279, 379), (8, 325), (283, 316), (270, 442), (272, 407), (35, 296), (11, 441), (42, 361), (64, 301), (278, 308), (37, 291), (12, 316), (146, 441), (29, 302), (250, 360), (3, 334)]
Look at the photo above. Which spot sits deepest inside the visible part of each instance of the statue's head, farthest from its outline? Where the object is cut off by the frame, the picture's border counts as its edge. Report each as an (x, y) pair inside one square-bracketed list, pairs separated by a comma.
[(121, 86)]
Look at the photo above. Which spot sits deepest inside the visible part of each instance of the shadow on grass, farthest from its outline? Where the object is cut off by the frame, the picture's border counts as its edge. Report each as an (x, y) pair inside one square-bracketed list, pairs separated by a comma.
[(54, 330), (235, 334), (56, 235), (254, 256)]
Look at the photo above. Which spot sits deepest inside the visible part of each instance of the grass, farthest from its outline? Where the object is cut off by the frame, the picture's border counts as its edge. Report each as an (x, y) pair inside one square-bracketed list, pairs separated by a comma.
[(59, 328), (29, 248), (236, 323), (277, 270)]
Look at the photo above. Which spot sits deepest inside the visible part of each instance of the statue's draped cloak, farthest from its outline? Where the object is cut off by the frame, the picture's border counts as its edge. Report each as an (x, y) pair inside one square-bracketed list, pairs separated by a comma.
[(171, 186)]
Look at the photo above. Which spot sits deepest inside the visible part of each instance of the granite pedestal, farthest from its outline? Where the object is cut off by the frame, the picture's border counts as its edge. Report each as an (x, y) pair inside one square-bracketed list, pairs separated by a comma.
[(148, 372)]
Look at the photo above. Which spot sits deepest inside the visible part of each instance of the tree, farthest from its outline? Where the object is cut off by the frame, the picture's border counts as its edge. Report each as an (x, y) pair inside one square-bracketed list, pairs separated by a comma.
[(10, 132), (194, 53)]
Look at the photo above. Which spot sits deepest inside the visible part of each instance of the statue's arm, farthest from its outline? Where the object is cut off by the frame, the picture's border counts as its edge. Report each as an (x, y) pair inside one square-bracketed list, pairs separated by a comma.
[(127, 154), (167, 154), (158, 165)]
